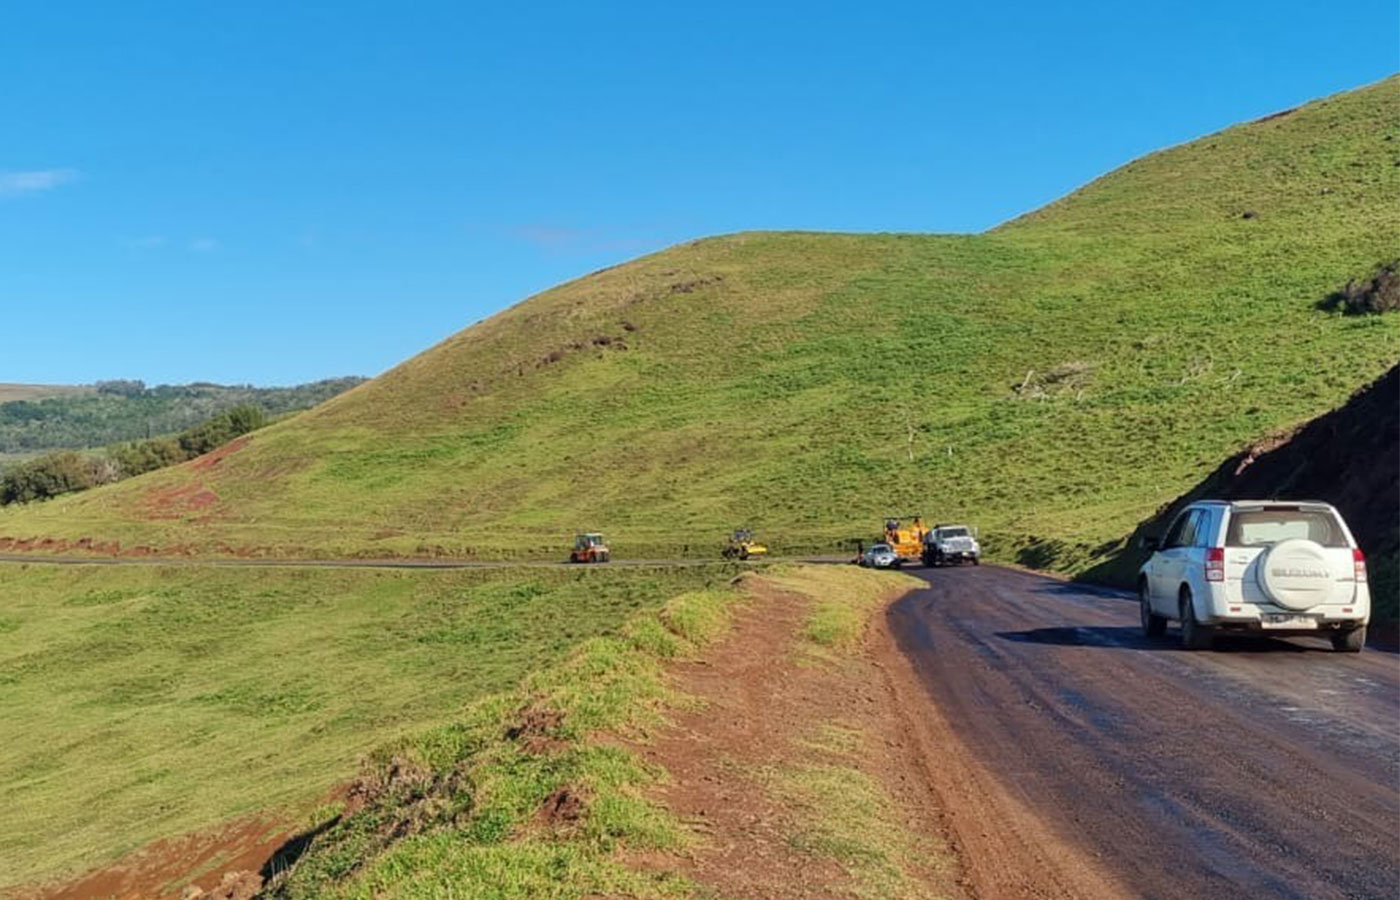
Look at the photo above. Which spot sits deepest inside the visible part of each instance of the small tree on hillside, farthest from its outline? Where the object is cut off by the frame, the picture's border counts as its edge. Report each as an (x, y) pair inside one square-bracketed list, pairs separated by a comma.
[(45, 477), (221, 429)]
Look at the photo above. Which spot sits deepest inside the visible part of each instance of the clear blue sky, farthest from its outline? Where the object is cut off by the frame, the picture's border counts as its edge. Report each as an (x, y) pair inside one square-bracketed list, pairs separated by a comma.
[(278, 192)]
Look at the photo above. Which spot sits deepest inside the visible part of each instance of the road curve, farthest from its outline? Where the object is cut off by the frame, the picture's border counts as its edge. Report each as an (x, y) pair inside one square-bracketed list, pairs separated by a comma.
[(1262, 769)]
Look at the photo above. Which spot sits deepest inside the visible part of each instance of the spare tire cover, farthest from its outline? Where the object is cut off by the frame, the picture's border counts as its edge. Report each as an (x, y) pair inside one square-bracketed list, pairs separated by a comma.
[(1296, 574)]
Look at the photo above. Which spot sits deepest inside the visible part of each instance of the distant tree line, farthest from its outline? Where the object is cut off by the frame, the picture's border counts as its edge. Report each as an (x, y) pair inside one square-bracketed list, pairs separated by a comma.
[(121, 411), (67, 471), (121, 387)]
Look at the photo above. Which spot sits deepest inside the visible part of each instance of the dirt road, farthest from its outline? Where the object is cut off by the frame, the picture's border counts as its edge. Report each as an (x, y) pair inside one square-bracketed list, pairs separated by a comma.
[(1263, 769)]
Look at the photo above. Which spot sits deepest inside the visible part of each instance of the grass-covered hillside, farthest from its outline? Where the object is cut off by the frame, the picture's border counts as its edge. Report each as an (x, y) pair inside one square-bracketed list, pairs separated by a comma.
[(146, 702), (1060, 376)]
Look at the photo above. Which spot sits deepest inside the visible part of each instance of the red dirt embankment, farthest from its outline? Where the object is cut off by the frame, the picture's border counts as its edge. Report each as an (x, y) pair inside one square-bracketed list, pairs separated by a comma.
[(219, 864)]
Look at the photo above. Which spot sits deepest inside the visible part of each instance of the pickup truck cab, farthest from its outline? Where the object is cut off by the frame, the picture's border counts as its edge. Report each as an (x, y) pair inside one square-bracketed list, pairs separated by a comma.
[(950, 545), (1256, 566)]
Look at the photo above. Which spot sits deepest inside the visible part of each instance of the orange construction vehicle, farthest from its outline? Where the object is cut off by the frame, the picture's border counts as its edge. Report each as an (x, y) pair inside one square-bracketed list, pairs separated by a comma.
[(908, 543), (589, 548)]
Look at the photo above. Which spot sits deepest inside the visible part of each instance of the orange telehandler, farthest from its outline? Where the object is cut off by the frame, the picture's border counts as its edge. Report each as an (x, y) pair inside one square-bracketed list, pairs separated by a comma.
[(908, 543)]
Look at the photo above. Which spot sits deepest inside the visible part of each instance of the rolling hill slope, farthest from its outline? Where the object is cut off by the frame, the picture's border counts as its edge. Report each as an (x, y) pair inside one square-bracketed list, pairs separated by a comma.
[(1062, 375)]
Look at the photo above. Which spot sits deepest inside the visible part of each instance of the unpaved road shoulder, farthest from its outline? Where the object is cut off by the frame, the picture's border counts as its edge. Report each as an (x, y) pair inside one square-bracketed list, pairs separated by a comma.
[(773, 703)]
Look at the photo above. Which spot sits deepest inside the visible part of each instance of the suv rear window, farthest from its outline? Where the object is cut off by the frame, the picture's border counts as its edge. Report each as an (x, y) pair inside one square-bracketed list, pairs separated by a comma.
[(1262, 527)]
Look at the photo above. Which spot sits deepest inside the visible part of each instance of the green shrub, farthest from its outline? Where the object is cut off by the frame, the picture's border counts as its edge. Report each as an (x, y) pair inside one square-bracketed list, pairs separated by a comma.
[(47, 476)]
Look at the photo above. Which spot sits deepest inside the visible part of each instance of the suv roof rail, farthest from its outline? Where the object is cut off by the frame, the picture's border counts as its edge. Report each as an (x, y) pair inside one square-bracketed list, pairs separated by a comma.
[(1270, 502)]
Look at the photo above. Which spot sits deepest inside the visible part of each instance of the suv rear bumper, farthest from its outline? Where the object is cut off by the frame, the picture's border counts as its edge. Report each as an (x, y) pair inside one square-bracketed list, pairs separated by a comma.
[(1255, 620)]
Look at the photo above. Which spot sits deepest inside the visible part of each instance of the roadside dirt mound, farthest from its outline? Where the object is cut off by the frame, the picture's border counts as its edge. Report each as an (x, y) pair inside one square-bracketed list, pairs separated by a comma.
[(538, 730), (562, 809), (409, 797), (233, 886), (1378, 294), (228, 858)]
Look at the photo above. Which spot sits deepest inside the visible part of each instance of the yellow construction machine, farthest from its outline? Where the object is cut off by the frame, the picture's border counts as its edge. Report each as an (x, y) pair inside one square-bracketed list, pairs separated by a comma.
[(743, 545), (590, 548), (908, 543)]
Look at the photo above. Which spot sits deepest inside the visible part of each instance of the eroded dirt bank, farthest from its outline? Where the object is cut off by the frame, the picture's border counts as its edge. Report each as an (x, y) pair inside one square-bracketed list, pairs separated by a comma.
[(218, 864)]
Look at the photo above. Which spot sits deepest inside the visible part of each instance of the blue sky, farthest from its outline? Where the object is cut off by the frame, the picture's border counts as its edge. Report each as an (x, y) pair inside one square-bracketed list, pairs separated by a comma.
[(277, 192)]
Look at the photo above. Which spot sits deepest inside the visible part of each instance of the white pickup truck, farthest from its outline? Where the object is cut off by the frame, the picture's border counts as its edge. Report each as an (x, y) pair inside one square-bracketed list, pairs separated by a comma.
[(1261, 566), (949, 545)]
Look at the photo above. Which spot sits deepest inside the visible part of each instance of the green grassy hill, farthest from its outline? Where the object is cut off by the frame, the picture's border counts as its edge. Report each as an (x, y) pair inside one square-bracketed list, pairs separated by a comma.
[(1060, 376)]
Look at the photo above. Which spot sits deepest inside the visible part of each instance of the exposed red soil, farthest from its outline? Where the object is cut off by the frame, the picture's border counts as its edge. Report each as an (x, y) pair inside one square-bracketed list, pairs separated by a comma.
[(177, 502), (214, 457), (85, 544), (562, 809), (222, 864), (759, 706), (761, 703), (89, 546), (538, 731)]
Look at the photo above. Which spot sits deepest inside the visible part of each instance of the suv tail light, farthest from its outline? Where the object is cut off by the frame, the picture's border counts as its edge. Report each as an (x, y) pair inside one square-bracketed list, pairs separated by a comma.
[(1359, 559), (1215, 564)]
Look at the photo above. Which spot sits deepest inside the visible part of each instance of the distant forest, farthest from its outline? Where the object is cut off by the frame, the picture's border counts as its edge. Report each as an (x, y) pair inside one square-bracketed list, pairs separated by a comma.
[(117, 412)]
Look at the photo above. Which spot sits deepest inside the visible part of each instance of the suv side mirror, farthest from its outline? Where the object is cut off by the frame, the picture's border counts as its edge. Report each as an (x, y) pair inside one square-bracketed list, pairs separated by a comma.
[(1151, 543)]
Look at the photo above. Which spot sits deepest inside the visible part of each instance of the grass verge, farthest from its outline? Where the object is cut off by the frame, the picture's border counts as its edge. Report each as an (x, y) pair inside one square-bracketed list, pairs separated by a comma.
[(143, 703), (840, 810), (516, 799)]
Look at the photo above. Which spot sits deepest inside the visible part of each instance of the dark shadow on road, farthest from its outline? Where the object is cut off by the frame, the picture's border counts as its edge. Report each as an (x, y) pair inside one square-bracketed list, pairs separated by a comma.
[(1131, 638), (1080, 589)]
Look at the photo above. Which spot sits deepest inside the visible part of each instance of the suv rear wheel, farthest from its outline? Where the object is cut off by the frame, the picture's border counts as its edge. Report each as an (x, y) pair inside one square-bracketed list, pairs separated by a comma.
[(1153, 625), (1194, 635), (1349, 641)]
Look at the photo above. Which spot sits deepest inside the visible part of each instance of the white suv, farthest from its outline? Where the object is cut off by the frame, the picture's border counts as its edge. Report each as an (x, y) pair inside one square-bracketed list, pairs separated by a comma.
[(1259, 566)]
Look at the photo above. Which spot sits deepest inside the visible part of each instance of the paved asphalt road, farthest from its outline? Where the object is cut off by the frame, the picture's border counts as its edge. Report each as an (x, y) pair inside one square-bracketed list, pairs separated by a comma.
[(1261, 769)]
